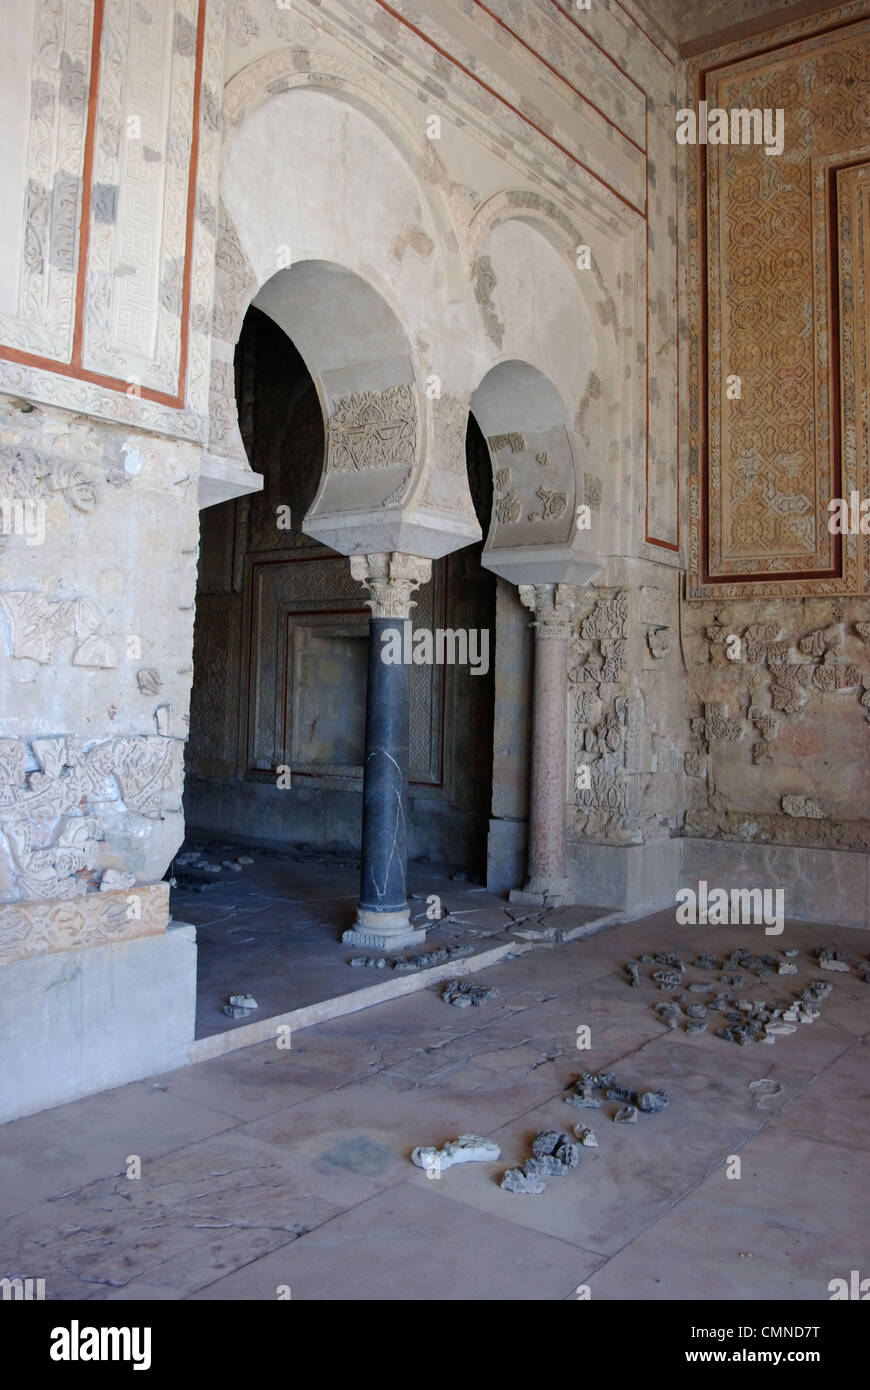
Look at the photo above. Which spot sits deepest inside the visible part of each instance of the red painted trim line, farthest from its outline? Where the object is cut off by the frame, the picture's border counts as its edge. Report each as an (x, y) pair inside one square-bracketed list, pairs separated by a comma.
[(74, 368), (510, 107)]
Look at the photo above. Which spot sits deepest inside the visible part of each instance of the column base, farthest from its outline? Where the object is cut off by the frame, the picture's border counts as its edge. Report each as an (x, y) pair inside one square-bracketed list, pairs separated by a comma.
[(384, 931), (550, 892)]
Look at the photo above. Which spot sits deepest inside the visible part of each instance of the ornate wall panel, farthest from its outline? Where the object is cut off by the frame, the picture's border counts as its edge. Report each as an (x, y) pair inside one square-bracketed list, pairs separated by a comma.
[(117, 193), (53, 134), (291, 599), (777, 298)]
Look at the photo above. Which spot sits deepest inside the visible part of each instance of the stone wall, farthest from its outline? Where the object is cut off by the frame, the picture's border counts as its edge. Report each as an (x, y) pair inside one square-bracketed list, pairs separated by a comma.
[(142, 215), (96, 626), (97, 623)]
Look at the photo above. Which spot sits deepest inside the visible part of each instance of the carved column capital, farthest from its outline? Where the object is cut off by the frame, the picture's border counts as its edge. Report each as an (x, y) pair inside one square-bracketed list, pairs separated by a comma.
[(554, 607), (390, 577)]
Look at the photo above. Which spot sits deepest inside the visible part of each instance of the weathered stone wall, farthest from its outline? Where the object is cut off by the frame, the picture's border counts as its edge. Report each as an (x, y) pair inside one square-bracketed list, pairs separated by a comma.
[(97, 623), (779, 697)]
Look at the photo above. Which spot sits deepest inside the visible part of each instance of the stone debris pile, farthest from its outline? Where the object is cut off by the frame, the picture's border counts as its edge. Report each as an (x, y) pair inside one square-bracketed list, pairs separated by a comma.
[(197, 860), (418, 962), (462, 994), (554, 1155), (745, 1020), (586, 1085), (240, 1006)]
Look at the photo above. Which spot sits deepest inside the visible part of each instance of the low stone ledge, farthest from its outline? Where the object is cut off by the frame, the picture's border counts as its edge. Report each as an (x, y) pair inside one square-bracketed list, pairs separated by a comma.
[(96, 919)]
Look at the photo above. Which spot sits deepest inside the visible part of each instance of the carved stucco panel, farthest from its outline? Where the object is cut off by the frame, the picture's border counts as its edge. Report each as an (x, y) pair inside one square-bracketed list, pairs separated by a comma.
[(372, 430), (52, 191), (55, 819), (32, 929)]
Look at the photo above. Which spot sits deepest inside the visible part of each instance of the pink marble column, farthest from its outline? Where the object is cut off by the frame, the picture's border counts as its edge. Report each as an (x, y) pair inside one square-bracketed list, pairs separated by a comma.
[(553, 606)]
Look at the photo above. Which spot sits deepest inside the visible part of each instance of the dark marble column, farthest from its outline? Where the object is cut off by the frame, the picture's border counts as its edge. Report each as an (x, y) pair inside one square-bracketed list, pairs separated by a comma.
[(383, 916)]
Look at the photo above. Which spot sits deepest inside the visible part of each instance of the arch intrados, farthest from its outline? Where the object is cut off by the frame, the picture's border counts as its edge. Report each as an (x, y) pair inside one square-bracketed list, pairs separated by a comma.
[(338, 322), (516, 396)]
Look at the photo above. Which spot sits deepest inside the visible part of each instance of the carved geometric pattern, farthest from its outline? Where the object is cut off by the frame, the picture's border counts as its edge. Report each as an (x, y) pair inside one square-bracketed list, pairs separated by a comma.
[(772, 254), (373, 429), (716, 725), (604, 733), (515, 442)]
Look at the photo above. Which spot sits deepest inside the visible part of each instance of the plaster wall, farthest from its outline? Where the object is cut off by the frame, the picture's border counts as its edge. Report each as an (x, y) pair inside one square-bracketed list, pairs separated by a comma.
[(778, 686)]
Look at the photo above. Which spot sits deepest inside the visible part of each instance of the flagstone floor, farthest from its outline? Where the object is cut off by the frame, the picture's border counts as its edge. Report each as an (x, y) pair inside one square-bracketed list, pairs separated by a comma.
[(270, 1173)]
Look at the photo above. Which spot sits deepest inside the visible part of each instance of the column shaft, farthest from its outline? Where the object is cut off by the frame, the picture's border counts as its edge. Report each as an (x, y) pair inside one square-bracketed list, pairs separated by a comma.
[(385, 779), (383, 916), (553, 606), (547, 809)]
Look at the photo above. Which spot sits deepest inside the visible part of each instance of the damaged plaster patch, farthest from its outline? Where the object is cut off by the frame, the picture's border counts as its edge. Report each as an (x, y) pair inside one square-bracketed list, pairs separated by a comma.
[(802, 806), (104, 201), (484, 282), (414, 238)]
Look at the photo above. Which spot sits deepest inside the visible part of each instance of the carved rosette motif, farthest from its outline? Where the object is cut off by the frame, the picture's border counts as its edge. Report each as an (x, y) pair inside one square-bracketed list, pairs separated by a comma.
[(449, 428), (390, 578), (555, 505)]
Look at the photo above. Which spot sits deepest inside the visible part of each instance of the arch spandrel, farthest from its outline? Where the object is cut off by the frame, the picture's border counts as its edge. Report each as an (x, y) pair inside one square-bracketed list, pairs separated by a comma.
[(280, 72)]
